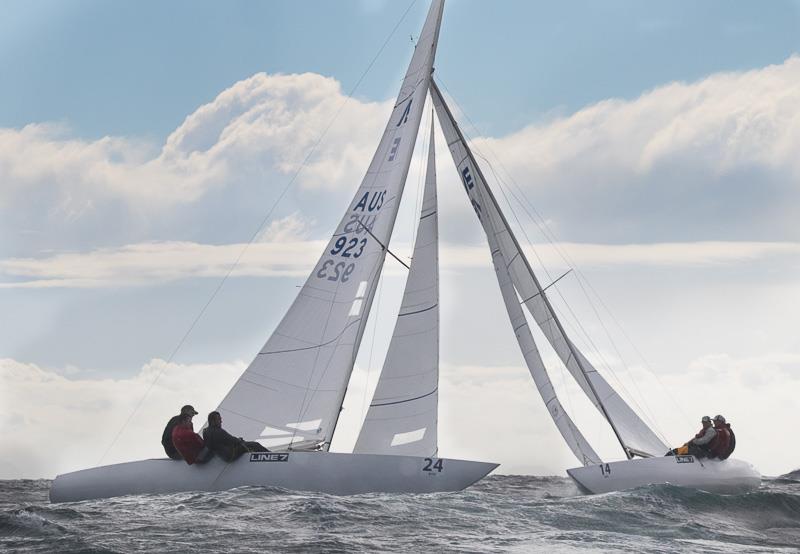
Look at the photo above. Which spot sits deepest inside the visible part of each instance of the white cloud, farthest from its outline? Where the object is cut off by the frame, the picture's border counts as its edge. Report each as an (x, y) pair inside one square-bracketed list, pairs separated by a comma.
[(718, 155), (724, 121), (159, 262), (710, 159), (260, 124), (52, 423), (292, 228), (486, 412)]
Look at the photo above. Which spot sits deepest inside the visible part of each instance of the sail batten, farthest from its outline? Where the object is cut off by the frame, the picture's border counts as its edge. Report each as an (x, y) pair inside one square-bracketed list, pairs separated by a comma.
[(308, 360), (632, 432), (402, 416)]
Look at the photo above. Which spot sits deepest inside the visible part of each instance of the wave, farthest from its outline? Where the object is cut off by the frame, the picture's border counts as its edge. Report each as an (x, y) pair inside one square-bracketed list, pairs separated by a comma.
[(791, 476), (519, 513)]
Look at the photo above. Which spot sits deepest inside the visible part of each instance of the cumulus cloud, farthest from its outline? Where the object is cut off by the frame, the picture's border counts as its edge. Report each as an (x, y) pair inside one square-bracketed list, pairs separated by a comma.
[(261, 123), (282, 253), (710, 159), (716, 155), (231, 156)]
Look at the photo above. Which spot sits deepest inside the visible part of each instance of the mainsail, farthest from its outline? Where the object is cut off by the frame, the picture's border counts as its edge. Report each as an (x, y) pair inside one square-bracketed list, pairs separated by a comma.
[(634, 434), (402, 417), (293, 390)]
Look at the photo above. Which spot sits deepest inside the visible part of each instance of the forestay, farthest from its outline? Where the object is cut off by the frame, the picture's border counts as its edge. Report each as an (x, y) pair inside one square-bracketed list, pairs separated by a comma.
[(293, 390), (402, 417), (634, 434)]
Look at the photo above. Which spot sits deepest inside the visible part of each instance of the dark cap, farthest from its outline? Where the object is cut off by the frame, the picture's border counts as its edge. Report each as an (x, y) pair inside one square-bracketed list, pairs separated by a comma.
[(188, 410), (706, 419)]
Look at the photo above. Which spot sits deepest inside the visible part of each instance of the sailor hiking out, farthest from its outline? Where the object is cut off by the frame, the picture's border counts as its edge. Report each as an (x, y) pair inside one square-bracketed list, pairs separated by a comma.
[(225, 445), (188, 443), (724, 443), (166, 436), (714, 440)]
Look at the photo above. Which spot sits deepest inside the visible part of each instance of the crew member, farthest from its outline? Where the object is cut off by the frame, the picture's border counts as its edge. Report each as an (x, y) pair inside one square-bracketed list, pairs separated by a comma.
[(699, 445), (225, 445), (166, 436), (188, 443), (725, 442)]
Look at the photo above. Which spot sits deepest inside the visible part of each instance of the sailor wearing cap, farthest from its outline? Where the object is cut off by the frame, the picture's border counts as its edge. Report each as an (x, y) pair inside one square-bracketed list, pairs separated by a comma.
[(166, 436), (699, 445)]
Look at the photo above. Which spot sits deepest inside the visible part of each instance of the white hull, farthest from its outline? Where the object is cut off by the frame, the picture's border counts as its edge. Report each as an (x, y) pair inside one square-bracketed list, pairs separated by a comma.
[(717, 476), (327, 472)]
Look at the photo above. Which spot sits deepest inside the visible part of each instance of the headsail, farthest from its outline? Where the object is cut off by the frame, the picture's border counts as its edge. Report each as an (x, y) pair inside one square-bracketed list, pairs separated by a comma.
[(633, 433), (572, 436), (402, 417), (293, 390)]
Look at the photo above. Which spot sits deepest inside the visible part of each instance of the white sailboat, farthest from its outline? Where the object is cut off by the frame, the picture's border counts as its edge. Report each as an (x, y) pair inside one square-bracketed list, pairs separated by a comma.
[(290, 396), (519, 285)]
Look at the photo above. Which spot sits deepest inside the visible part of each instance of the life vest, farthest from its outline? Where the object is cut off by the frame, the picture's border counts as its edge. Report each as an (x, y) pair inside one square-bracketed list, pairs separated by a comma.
[(731, 443), (187, 442), (719, 445)]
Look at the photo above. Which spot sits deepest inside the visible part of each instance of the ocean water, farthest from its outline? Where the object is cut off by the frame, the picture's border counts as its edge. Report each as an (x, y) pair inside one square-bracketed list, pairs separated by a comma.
[(499, 514)]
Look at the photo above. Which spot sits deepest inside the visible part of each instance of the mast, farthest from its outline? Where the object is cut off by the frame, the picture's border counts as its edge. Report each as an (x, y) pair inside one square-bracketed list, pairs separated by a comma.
[(428, 39), (573, 353)]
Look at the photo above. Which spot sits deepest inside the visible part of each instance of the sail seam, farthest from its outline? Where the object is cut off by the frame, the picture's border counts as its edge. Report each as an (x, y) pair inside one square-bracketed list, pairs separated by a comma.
[(299, 387), (404, 401), (334, 339), (419, 311)]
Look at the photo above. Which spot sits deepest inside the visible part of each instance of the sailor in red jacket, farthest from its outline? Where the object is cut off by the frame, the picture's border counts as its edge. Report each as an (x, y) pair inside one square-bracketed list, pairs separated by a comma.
[(188, 443), (721, 447)]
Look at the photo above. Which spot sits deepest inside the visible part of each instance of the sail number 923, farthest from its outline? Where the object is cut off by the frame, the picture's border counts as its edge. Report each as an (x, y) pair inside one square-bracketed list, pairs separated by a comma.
[(344, 247), (336, 271), (430, 465)]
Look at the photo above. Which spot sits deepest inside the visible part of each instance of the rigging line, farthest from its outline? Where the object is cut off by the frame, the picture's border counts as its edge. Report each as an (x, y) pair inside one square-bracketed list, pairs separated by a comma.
[(258, 230), (419, 200), (599, 401), (645, 411), (538, 354), (551, 237), (371, 348), (557, 322), (567, 272), (647, 364), (642, 406), (383, 246)]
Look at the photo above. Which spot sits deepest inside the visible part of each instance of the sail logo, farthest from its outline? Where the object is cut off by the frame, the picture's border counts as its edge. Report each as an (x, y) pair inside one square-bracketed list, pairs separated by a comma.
[(404, 117), (269, 457), (467, 176), (684, 459), (469, 184), (393, 151)]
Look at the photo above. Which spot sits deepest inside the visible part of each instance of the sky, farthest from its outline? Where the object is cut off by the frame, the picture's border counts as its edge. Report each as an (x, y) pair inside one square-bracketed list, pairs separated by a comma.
[(649, 148)]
